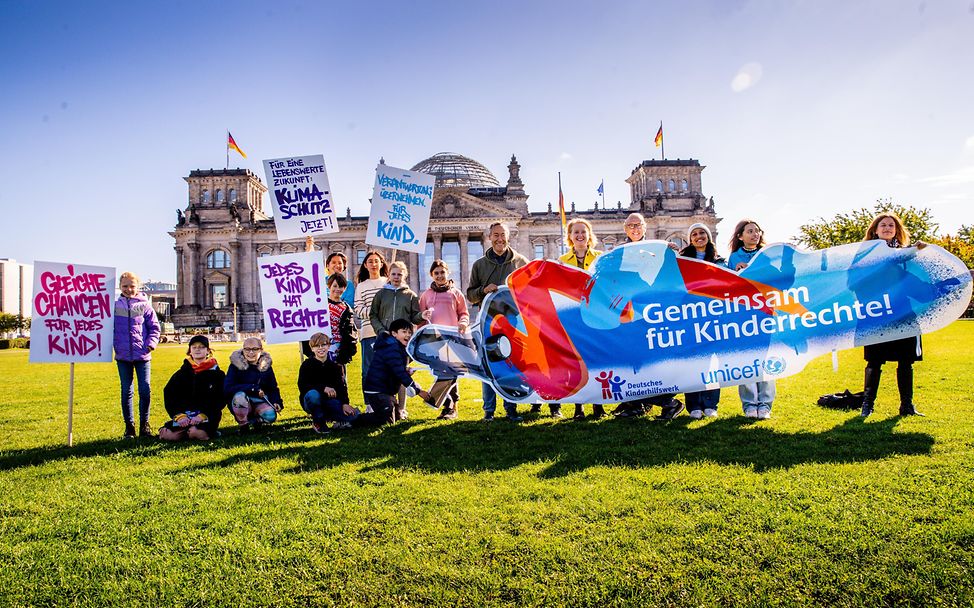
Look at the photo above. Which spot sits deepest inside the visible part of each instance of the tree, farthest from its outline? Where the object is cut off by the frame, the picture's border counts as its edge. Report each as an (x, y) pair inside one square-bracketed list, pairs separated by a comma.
[(851, 227), (966, 234), (10, 323)]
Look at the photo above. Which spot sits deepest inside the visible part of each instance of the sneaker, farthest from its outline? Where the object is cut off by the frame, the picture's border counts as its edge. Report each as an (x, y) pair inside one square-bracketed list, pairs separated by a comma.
[(513, 417), (671, 411), (341, 426), (488, 416), (403, 414), (449, 414), (318, 427), (751, 411), (764, 412), (129, 431), (535, 409), (710, 413), (556, 413), (696, 414)]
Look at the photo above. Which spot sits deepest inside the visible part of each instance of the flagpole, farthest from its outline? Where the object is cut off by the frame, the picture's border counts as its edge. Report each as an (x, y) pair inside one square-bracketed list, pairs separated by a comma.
[(561, 212), (603, 194), (228, 149), (662, 142)]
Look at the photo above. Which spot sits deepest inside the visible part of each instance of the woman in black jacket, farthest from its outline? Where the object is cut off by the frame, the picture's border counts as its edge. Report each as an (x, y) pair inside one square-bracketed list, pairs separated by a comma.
[(194, 395)]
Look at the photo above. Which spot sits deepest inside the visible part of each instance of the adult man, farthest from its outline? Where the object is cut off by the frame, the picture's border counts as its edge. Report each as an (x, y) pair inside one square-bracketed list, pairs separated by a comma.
[(489, 273), (670, 407)]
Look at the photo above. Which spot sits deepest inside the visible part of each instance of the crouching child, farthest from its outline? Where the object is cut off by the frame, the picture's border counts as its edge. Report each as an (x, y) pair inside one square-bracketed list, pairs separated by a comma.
[(194, 395), (387, 373), (321, 384), (251, 387)]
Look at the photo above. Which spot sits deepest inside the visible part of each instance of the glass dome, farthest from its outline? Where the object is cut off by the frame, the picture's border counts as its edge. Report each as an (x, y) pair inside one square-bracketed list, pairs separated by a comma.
[(457, 171)]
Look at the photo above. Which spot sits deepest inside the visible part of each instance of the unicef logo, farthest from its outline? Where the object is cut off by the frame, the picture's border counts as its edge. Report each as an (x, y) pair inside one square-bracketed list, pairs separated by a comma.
[(774, 366)]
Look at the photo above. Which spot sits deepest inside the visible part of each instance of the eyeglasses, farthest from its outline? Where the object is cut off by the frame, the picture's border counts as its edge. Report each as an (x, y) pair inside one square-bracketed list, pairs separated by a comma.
[(253, 350), (635, 225), (321, 345)]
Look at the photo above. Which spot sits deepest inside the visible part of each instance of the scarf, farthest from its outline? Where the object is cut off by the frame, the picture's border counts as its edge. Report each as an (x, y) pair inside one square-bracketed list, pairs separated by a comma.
[(444, 289), (208, 363)]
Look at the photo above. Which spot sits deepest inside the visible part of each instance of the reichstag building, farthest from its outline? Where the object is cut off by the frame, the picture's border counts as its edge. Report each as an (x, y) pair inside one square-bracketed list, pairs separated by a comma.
[(224, 228)]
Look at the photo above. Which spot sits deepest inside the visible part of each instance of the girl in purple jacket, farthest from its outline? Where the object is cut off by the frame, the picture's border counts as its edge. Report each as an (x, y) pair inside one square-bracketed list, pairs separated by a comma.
[(135, 336)]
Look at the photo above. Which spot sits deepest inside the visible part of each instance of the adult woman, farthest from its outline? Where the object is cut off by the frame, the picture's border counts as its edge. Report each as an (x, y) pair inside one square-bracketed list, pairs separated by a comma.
[(443, 304), (371, 278), (136, 335), (251, 387), (581, 243), (701, 247), (905, 351), (194, 395)]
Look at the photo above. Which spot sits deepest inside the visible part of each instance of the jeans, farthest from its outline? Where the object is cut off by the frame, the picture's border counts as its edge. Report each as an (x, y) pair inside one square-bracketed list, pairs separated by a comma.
[(757, 394), (248, 410), (368, 348), (703, 400), (323, 409), (490, 401), (140, 369)]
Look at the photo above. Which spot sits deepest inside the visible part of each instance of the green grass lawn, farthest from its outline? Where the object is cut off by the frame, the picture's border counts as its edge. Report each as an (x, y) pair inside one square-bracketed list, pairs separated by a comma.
[(813, 507)]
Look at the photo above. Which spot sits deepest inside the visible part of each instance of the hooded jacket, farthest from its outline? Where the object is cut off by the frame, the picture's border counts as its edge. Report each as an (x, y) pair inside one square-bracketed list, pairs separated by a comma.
[(137, 329), (388, 369), (391, 303), (249, 378)]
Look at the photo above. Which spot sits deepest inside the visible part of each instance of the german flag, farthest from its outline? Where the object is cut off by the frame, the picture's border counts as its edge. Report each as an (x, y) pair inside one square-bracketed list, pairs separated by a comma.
[(232, 145), (658, 140)]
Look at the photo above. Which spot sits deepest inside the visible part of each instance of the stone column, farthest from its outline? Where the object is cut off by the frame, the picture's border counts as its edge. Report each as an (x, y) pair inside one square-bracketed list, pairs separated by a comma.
[(461, 280), (194, 274), (235, 262), (180, 277), (437, 246)]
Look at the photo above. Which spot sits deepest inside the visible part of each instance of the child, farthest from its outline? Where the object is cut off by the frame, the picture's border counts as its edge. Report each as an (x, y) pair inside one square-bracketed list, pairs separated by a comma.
[(321, 384), (136, 335), (371, 278), (343, 333), (387, 373), (443, 304), (251, 387), (747, 241), (701, 247), (194, 395)]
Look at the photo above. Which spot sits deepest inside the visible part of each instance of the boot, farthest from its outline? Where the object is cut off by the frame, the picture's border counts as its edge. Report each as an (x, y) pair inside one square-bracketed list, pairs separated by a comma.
[(555, 410), (904, 382), (598, 411), (870, 388), (579, 412), (145, 430), (129, 430)]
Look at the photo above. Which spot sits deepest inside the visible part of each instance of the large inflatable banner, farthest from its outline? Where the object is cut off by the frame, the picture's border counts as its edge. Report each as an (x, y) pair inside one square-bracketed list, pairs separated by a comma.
[(71, 316), (648, 322), (294, 296), (301, 196), (400, 215)]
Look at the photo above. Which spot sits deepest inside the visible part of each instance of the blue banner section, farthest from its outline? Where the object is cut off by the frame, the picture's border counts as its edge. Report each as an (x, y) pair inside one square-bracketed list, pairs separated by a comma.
[(648, 322)]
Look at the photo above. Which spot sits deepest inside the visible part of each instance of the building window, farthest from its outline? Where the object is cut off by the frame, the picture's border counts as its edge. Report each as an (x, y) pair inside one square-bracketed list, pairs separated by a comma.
[(219, 195), (671, 186), (684, 186), (218, 295), (263, 251), (233, 195), (218, 259), (539, 251), (359, 257), (450, 250), (424, 260), (659, 185), (205, 197)]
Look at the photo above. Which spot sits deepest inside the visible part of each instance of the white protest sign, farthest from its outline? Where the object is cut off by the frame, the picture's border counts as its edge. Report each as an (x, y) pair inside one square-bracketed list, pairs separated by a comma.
[(301, 196), (400, 214), (294, 296), (71, 313)]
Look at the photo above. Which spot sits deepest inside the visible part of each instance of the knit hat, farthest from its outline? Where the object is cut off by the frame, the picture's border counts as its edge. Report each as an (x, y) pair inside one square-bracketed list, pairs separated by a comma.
[(693, 227), (199, 340)]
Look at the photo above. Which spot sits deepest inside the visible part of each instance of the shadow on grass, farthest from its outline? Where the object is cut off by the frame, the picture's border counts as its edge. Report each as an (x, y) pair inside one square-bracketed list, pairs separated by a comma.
[(439, 447)]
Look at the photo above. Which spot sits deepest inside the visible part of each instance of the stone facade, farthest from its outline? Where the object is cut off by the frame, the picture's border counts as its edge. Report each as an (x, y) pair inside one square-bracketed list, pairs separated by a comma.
[(223, 229)]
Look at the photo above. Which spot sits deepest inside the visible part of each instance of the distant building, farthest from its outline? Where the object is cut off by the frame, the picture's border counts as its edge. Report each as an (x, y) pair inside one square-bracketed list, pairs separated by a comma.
[(223, 229), (16, 287)]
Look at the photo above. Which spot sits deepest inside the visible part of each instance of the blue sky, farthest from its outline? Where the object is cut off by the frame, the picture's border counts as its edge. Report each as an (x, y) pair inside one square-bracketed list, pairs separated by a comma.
[(798, 109)]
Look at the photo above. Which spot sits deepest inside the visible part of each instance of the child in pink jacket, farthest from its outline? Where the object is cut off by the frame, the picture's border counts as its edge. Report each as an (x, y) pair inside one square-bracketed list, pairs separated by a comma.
[(443, 304)]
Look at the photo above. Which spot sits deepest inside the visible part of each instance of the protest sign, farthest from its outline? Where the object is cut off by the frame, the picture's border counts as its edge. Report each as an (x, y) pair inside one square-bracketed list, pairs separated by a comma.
[(71, 313), (646, 322), (300, 196), (400, 213), (294, 296)]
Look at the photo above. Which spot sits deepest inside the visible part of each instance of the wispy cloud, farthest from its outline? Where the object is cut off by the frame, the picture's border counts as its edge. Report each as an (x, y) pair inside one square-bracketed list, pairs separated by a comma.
[(565, 156), (961, 176), (746, 77)]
